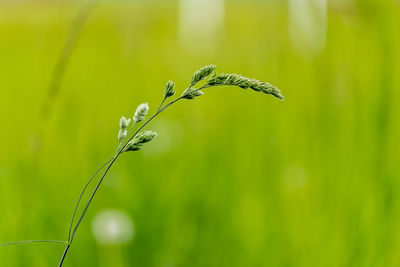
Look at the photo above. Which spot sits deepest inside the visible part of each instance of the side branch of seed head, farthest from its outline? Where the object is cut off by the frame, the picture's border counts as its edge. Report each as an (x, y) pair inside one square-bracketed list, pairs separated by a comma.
[(136, 142), (201, 74), (245, 83)]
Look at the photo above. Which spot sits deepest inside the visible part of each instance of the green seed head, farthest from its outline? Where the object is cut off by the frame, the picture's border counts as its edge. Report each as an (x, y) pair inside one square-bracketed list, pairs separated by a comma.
[(244, 82), (144, 137), (124, 122), (191, 93), (122, 134), (141, 112), (140, 139), (169, 89), (201, 74)]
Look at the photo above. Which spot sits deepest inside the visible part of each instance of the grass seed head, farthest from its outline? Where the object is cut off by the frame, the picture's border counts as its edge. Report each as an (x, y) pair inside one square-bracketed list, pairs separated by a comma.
[(202, 74), (122, 134), (245, 83), (124, 122), (140, 139), (141, 112), (191, 93), (169, 89)]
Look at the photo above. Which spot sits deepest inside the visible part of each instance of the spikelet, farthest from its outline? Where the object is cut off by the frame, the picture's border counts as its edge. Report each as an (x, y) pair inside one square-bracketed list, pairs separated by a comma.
[(123, 124), (169, 89), (191, 93), (122, 134), (244, 82), (140, 139), (141, 112), (202, 74)]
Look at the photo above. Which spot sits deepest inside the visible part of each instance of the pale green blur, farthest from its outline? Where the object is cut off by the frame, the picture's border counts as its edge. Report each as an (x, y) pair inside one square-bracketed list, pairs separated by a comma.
[(235, 177)]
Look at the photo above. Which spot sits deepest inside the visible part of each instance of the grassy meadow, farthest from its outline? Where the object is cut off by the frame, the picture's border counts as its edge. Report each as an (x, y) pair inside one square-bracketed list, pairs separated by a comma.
[(235, 177)]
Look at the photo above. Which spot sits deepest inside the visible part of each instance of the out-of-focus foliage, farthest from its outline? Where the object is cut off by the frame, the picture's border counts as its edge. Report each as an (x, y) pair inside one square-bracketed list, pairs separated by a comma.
[(233, 179)]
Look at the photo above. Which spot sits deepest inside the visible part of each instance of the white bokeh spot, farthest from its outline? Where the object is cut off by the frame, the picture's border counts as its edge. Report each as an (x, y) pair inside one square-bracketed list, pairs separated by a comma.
[(112, 227)]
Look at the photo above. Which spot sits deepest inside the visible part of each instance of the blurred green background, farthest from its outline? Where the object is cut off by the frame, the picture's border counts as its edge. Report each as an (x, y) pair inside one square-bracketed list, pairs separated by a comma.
[(235, 177)]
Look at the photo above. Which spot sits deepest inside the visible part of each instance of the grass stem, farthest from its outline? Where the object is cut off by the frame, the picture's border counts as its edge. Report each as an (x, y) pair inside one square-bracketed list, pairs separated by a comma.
[(33, 241)]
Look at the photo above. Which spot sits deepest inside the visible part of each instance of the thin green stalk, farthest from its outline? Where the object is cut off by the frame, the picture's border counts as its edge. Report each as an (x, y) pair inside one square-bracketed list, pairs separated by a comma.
[(33, 241), (169, 104), (208, 86), (215, 80), (80, 197), (162, 102), (137, 139), (102, 178)]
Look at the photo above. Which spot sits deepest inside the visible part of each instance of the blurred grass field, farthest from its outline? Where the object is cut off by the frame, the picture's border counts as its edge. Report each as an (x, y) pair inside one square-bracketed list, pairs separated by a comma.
[(235, 178)]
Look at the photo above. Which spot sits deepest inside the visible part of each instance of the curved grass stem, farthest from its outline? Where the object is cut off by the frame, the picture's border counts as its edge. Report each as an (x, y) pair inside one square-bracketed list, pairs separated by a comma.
[(81, 195), (126, 143), (110, 164), (33, 241)]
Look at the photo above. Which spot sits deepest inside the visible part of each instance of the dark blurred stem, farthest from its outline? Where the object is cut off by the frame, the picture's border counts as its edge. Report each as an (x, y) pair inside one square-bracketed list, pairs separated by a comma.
[(64, 57), (64, 254)]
